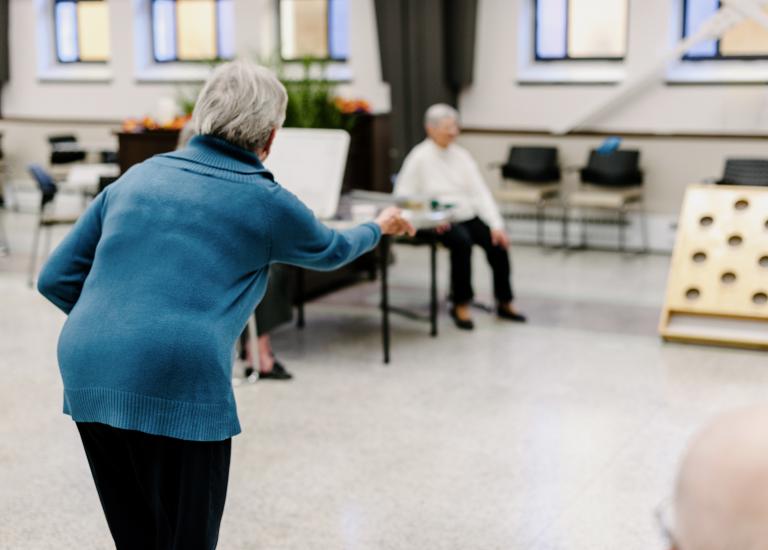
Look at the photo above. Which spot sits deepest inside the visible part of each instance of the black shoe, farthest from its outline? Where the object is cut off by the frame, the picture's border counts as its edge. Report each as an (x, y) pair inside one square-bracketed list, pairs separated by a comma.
[(278, 372), (504, 313), (463, 324)]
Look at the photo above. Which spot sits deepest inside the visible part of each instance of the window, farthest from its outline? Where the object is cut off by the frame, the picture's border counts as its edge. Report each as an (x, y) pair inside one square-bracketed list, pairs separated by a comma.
[(317, 29), (580, 30), (192, 30), (746, 40), (82, 31)]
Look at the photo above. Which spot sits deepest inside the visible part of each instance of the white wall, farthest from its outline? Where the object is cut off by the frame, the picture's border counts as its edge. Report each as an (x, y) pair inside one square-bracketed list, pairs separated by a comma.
[(496, 100), (103, 104)]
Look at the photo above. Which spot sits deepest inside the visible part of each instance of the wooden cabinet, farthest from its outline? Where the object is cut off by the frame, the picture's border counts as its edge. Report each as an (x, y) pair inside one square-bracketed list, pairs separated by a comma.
[(138, 147)]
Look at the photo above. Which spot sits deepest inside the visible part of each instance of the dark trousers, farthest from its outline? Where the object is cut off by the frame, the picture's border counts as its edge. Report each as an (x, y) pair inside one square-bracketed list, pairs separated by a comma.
[(276, 308), (158, 493), (459, 239)]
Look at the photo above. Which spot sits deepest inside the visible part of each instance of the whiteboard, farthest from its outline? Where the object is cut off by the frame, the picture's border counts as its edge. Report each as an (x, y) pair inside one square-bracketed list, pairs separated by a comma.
[(310, 163)]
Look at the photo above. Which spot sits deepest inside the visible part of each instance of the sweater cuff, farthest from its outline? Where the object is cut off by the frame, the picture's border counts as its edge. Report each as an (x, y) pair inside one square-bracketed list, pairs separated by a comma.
[(376, 232)]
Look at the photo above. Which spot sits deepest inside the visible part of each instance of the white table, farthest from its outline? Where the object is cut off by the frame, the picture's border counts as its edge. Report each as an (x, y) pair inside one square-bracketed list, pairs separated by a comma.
[(85, 177), (422, 220)]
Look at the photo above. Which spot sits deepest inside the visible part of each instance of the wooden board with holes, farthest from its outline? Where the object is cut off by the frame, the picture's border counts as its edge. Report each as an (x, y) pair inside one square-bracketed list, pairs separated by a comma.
[(717, 291)]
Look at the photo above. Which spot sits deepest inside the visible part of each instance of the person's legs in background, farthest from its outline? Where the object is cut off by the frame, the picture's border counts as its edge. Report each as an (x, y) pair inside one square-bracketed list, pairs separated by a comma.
[(458, 240), (157, 492), (498, 259), (275, 309)]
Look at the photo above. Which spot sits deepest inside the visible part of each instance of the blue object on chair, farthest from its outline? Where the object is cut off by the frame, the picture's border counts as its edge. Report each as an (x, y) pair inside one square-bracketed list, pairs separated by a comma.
[(48, 190), (609, 145), (45, 183)]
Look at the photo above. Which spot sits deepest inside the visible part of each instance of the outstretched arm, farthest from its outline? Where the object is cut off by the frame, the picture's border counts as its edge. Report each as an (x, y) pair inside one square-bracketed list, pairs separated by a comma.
[(63, 275), (298, 238)]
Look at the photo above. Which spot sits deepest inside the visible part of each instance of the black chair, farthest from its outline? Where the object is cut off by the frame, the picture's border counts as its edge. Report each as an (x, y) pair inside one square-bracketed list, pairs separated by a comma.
[(534, 178), (617, 169), (745, 172), (46, 219), (65, 149), (612, 181)]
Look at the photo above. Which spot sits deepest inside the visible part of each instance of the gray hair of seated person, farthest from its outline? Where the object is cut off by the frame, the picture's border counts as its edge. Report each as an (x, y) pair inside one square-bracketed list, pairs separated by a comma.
[(439, 112), (241, 103)]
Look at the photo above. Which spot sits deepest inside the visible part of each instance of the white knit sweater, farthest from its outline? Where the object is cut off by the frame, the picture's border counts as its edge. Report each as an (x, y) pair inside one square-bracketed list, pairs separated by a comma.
[(450, 176)]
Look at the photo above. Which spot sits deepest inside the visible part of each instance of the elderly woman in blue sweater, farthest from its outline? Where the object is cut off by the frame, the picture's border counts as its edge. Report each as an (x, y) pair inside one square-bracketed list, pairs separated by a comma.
[(158, 278)]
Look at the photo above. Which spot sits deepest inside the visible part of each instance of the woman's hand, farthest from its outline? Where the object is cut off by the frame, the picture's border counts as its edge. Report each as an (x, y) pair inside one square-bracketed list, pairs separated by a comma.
[(392, 222), (499, 238)]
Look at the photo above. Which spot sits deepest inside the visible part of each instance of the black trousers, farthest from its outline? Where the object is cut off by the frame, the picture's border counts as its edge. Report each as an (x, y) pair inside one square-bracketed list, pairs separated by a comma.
[(158, 493), (276, 308), (459, 239)]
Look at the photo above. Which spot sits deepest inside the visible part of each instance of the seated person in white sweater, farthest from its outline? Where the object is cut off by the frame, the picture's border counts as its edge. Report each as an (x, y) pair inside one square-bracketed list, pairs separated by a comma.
[(439, 169)]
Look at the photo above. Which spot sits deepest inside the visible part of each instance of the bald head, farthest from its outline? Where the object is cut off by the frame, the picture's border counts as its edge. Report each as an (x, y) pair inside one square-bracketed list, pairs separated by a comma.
[(721, 496)]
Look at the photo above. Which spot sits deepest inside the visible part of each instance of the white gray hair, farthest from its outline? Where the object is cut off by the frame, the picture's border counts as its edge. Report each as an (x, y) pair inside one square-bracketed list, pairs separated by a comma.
[(186, 134), (242, 103), (439, 112)]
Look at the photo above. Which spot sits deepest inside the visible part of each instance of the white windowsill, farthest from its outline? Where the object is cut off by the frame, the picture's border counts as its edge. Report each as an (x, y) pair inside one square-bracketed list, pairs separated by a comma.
[(715, 72), (335, 71), (570, 72), (75, 73), (173, 72)]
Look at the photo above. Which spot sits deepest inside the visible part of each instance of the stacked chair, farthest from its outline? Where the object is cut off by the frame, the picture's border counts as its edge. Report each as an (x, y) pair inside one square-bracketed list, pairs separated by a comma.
[(531, 176), (65, 151), (741, 171), (611, 181), (46, 217)]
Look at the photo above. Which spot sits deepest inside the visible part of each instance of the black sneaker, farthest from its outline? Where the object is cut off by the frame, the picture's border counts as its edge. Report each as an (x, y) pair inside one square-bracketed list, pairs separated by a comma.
[(463, 324), (504, 313), (278, 372)]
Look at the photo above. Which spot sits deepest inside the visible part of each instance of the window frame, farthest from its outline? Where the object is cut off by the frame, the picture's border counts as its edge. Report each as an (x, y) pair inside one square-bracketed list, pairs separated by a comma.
[(56, 53), (176, 59), (329, 29), (718, 58), (567, 58)]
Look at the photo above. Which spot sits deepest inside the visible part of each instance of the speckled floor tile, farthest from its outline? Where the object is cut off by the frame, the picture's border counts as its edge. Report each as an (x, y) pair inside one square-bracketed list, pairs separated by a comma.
[(563, 433)]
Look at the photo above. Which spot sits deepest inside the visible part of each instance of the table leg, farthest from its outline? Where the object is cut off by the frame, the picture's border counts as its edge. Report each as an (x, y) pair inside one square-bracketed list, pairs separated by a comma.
[(300, 297), (384, 258), (433, 288)]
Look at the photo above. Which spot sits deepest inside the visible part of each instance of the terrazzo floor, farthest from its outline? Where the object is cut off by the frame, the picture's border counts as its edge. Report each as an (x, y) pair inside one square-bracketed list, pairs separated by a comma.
[(561, 434)]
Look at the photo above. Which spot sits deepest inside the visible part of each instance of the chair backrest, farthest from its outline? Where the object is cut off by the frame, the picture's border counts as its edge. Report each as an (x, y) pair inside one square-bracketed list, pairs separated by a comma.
[(621, 168), (45, 183), (745, 172), (62, 138), (532, 164), (65, 149)]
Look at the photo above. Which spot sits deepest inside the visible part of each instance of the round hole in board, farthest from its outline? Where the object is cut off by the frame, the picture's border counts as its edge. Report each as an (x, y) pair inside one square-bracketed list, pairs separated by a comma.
[(735, 240), (763, 262), (706, 221), (700, 257), (760, 298), (692, 293), (729, 277), (741, 204)]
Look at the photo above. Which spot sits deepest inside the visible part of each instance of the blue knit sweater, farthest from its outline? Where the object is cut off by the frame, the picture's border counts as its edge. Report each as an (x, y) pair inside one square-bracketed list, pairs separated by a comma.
[(158, 278)]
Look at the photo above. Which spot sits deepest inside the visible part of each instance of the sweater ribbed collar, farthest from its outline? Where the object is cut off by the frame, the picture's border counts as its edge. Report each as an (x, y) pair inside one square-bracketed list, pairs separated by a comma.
[(217, 153)]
